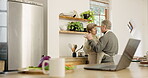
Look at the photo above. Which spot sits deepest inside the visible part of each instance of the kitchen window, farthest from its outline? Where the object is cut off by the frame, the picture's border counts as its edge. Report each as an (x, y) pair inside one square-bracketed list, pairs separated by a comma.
[(101, 12)]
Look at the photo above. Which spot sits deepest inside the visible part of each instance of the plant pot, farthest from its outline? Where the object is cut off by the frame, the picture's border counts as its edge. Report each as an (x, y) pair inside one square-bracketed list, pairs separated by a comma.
[(85, 30), (74, 54), (72, 29), (86, 16)]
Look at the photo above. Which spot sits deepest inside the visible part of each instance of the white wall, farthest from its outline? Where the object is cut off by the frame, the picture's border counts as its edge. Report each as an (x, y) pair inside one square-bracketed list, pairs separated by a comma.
[(56, 41), (146, 39), (53, 34), (65, 7), (146, 27), (122, 11)]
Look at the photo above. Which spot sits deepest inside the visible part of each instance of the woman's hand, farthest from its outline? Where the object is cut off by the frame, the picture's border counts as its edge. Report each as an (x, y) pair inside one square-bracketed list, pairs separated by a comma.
[(88, 36)]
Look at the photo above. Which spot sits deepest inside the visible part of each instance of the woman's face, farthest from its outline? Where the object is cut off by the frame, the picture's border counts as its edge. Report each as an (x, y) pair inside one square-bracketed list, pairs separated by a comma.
[(93, 31)]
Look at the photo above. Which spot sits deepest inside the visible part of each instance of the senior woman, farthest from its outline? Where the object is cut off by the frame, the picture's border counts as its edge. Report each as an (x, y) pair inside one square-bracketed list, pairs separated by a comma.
[(93, 57)]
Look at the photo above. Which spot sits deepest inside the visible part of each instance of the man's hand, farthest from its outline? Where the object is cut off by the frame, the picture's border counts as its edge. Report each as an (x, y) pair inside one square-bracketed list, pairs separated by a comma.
[(88, 36)]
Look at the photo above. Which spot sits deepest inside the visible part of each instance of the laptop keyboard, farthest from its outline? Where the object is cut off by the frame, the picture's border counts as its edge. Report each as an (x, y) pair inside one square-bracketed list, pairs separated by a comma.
[(109, 66), (101, 67)]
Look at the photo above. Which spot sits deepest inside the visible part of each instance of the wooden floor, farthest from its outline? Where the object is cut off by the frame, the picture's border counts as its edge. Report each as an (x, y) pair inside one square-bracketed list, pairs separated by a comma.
[(134, 71)]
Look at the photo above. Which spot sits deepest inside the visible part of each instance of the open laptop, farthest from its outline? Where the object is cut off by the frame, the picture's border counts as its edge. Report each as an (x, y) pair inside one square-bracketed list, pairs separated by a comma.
[(125, 59)]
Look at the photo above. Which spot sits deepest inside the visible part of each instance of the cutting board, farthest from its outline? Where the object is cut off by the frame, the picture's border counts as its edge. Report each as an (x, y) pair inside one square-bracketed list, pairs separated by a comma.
[(30, 71), (37, 71)]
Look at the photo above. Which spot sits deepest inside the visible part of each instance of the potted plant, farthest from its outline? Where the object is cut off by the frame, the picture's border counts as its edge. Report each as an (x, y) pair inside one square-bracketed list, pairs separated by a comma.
[(75, 26), (88, 15)]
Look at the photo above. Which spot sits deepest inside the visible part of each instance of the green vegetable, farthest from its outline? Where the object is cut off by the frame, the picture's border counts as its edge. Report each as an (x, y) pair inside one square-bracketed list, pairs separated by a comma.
[(75, 26)]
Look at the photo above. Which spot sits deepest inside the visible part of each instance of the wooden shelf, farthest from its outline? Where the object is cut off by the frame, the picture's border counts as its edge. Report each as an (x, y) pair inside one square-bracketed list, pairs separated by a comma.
[(72, 32), (71, 18)]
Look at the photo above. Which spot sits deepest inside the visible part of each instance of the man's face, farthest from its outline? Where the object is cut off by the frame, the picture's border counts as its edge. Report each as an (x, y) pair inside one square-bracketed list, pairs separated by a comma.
[(103, 27)]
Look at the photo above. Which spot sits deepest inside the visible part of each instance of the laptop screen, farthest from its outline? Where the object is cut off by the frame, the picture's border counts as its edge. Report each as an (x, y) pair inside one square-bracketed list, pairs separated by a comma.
[(128, 53)]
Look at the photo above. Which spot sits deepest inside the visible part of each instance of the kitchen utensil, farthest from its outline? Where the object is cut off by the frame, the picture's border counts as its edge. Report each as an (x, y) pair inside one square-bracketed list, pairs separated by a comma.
[(75, 46), (79, 48), (73, 49)]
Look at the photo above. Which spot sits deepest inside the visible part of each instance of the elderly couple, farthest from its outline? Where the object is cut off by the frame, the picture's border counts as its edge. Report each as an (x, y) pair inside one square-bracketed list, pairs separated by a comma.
[(100, 50)]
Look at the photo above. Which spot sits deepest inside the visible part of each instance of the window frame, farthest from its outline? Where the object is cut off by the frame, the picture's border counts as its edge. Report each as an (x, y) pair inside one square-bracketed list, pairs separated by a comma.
[(106, 15), (106, 10)]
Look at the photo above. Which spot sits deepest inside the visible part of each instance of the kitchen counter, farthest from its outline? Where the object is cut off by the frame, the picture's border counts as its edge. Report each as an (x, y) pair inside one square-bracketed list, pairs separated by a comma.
[(134, 71), (75, 60)]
